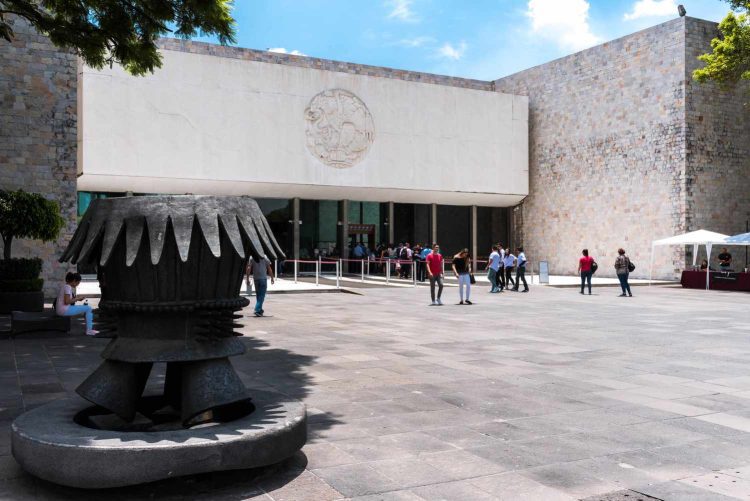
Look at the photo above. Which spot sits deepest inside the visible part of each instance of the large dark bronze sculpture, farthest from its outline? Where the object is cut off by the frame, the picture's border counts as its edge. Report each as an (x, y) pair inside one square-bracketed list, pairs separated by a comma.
[(170, 270)]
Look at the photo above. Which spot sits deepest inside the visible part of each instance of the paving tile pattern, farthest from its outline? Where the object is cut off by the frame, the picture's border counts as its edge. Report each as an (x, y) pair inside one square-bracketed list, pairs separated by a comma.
[(549, 395)]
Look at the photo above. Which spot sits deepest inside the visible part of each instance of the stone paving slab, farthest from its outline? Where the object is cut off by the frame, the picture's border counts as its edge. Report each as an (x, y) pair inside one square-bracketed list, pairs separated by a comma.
[(547, 395)]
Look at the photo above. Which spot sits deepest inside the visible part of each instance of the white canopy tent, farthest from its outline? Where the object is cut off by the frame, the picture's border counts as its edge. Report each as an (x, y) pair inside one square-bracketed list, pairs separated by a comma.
[(694, 238)]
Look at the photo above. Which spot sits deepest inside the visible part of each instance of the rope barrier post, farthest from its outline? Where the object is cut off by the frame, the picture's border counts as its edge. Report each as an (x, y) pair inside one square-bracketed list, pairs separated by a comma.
[(338, 267), (295, 271), (388, 272), (362, 269), (368, 266), (317, 272), (414, 272), (276, 268)]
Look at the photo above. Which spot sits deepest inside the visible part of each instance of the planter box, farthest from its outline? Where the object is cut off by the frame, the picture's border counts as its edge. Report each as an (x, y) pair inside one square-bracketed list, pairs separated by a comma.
[(21, 301)]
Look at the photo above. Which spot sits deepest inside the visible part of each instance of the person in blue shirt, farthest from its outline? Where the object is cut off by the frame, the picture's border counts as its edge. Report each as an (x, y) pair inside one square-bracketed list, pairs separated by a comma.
[(521, 270), (493, 268), (509, 261)]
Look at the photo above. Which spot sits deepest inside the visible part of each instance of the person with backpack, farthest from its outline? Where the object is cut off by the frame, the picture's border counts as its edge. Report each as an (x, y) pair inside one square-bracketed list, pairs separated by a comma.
[(623, 267), (586, 269), (405, 258)]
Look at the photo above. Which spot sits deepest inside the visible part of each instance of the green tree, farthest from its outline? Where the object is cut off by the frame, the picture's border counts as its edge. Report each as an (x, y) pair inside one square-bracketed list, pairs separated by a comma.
[(729, 60), (120, 31), (27, 215)]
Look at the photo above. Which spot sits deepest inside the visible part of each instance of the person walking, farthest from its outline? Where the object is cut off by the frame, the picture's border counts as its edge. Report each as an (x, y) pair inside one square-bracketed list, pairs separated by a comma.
[(493, 268), (261, 270), (434, 264), (405, 257), (509, 261), (521, 270), (65, 304), (462, 270), (501, 271), (585, 268), (623, 267)]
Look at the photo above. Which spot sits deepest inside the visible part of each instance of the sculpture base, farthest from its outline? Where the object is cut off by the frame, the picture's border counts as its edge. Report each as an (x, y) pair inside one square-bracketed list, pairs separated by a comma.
[(49, 444)]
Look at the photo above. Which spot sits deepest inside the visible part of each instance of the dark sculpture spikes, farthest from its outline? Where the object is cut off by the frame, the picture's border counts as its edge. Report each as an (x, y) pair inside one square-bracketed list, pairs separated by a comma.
[(170, 271)]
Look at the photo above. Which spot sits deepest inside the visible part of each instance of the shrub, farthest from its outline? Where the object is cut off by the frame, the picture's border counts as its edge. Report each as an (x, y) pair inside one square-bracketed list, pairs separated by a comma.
[(20, 268), (22, 285)]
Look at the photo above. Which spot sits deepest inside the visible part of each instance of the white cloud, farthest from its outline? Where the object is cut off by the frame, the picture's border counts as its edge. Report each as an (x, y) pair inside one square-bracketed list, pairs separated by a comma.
[(401, 10), (449, 51), (652, 8), (282, 50), (566, 22), (415, 42)]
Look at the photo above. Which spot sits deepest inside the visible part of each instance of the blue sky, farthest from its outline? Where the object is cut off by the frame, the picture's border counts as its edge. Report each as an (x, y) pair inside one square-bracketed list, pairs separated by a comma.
[(483, 39)]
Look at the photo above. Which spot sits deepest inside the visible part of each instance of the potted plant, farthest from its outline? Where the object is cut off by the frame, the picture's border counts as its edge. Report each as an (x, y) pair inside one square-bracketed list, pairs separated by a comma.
[(24, 215)]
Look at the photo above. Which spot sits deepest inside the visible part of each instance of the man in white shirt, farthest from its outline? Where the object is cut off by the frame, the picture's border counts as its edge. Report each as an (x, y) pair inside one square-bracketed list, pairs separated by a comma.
[(493, 266), (509, 260), (501, 271), (521, 271)]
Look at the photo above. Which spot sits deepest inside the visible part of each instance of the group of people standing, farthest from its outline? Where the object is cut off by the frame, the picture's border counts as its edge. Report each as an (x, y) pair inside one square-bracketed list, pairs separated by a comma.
[(500, 272), (587, 266)]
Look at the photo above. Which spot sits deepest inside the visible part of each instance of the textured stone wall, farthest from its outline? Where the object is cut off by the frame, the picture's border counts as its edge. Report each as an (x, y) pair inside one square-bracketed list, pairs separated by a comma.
[(38, 135), (718, 147), (607, 153)]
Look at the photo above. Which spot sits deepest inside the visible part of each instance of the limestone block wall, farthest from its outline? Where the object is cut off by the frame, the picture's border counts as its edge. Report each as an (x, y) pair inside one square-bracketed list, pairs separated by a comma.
[(607, 153), (38, 135), (717, 149)]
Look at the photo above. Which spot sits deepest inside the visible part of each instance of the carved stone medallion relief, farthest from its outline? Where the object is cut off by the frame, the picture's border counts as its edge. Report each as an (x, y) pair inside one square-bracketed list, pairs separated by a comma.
[(339, 128)]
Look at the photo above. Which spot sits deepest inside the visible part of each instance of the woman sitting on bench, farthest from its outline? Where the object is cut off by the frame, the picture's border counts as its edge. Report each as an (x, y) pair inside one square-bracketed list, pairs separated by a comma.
[(66, 302)]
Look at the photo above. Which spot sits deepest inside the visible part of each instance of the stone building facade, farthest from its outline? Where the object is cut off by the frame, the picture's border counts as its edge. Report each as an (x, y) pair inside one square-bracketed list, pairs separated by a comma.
[(623, 146), (38, 138), (626, 148)]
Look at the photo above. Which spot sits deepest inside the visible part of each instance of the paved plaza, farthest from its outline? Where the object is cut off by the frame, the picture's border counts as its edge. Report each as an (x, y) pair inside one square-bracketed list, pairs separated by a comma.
[(543, 396)]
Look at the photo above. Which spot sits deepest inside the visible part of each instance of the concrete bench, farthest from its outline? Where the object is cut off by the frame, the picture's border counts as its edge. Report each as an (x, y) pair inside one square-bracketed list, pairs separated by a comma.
[(26, 321)]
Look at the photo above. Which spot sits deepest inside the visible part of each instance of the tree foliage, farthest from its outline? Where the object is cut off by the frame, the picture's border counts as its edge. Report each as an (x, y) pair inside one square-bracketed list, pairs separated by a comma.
[(27, 215), (729, 60), (120, 31)]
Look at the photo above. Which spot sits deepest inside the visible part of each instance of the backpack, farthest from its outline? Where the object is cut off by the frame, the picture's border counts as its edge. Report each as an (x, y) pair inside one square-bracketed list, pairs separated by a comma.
[(404, 253), (631, 266), (594, 267)]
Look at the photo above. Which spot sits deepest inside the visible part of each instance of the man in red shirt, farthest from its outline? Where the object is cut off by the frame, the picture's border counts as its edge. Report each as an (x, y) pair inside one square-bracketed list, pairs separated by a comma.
[(435, 272)]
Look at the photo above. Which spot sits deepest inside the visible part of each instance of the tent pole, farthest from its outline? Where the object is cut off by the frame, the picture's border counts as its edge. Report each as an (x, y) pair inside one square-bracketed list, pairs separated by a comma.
[(651, 267), (708, 268)]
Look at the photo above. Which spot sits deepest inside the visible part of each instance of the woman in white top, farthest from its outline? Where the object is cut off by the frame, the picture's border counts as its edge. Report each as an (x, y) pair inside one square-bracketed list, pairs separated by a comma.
[(66, 303)]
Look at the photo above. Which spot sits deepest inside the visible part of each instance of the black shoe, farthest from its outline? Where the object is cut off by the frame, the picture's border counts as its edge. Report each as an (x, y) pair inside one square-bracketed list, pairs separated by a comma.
[(630, 295), (581, 292), (525, 290), (622, 295), (461, 302), (468, 302)]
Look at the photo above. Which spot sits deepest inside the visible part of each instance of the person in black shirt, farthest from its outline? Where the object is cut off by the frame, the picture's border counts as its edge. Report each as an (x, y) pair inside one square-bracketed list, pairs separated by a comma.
[(725, 259)]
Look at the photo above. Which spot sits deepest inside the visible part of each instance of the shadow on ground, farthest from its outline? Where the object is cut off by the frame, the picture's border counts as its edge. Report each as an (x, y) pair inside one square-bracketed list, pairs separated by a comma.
[(64, 360)]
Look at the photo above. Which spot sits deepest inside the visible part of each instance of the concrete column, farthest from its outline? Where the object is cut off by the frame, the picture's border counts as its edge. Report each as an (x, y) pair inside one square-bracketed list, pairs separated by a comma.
[(345, 234), (433, 224), (474, 237), (391, 229), (295, 227)]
